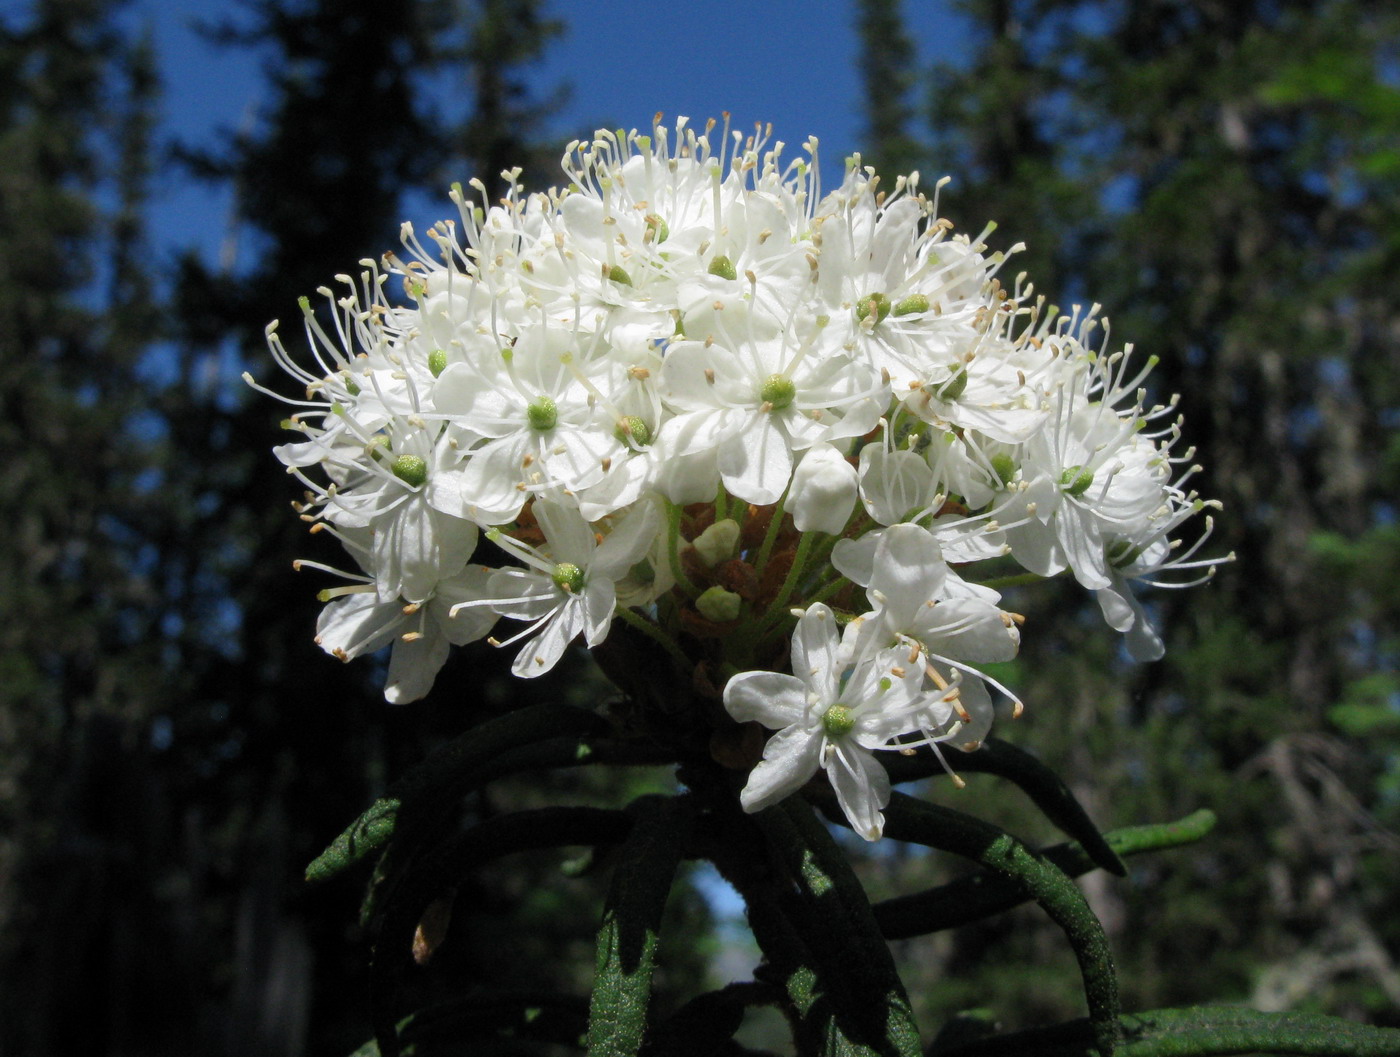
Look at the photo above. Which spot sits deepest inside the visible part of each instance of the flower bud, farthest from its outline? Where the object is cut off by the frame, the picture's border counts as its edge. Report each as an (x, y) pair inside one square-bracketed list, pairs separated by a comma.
[(717, 543), (823, 492), (719, 605)]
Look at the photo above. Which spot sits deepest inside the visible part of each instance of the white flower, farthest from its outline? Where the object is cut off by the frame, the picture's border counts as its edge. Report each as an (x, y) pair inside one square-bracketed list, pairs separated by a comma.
[(756, 402), (570, 585), (823, 491), (828, 716), (541, 422), (688, 335), (357, 622)]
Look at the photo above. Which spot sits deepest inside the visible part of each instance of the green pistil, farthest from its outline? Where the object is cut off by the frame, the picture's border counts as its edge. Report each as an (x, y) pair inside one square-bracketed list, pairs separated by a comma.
[(724, 268), (437, 361), (1076, 480), (876, 303), (542, 413), (778, 391), (911, 304), (1004, 466), (619, 276), (1122, 552), (635, 429), (410, 469), (567, 577), (954, 386), (352, 388), (838, 721)]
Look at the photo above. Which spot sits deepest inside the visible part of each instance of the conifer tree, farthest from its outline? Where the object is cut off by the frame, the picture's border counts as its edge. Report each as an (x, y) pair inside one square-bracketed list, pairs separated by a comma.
[(889, 78), (354, 128), (1222, 194), (80, 672)]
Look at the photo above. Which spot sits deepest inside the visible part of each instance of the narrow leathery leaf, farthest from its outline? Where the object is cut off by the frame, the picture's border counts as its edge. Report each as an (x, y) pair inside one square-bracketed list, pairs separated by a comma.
[(1198, 1032), (631, 927), (781, 915), (368, 833), (1225, 1029), (854, 966), (438, 781), (971, 1025), (939, 827), (384, 868), (706, 1023), (426, 877), (788, 965), (987, 893), (543, 1016), (1045, 788)]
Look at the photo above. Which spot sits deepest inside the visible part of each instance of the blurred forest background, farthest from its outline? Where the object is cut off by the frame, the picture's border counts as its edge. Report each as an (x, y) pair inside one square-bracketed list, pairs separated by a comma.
[(1223, 175)]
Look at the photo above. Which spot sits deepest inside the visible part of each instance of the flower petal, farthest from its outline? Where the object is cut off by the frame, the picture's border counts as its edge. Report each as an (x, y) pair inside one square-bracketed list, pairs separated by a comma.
[(790, 758)]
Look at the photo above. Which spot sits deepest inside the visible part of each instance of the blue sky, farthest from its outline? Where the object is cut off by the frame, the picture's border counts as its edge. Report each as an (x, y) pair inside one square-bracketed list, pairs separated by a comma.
[(787, 62)]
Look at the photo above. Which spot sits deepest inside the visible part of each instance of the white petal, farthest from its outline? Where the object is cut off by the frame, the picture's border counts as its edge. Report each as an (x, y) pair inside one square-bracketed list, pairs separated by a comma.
[(357, 623), (756, 462), (862, 787), (908, 571), (855, 558), (789, 760), (570, 537), (542, 652), (627, 543), (414, 665), (815, 647), (770, 698), (598, 602)]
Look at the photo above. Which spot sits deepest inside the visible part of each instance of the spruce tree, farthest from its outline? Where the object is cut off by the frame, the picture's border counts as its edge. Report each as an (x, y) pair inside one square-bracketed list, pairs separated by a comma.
[(1223, 195), (80, 669)]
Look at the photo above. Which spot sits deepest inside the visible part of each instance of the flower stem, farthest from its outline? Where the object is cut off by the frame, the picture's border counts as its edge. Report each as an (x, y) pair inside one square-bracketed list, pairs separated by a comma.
[(770, 537), (1018, 580), (673, 519), (652, 631), (763, 626)]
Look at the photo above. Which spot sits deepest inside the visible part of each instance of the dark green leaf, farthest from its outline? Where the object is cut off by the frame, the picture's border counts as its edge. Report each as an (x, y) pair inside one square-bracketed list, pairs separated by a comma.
[(467, 762), (631, 928), (938, 827), (867, 1010), (987, 893), (1200, 1032)]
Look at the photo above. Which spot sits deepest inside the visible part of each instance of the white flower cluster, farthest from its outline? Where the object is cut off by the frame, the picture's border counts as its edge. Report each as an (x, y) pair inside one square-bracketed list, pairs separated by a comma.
[(692, 392)]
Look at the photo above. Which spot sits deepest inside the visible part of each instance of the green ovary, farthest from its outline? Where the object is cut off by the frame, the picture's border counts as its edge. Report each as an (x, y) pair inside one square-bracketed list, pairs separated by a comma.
[(911, 304), (410, 469), (838, 721), (876, 303), (778, 391), (634, 428), (542, 413), (1076, 480), (567, 577)]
